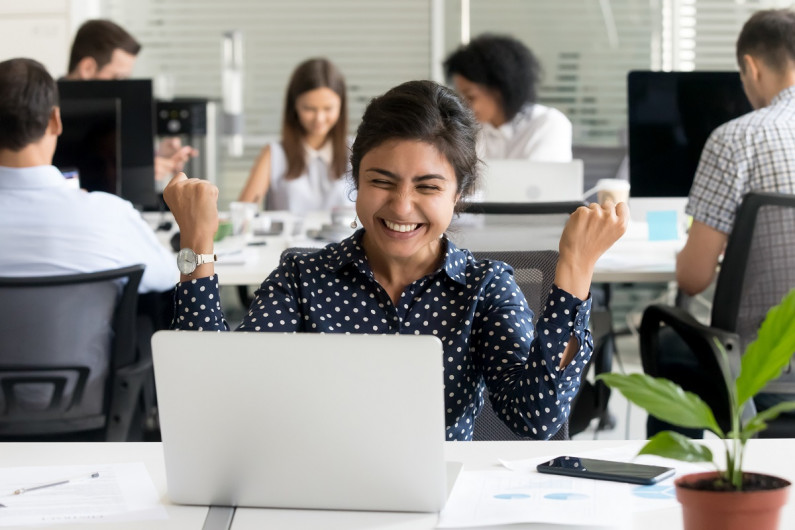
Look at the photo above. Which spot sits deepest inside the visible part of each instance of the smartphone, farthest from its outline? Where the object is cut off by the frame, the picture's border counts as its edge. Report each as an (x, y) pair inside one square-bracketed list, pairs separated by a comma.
[(573, 466)]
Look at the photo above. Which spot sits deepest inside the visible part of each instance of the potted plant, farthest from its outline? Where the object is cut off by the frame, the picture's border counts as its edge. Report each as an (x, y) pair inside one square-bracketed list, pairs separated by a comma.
[(729, 489)]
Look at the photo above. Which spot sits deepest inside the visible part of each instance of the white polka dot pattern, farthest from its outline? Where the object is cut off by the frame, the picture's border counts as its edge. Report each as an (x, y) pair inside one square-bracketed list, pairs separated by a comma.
[(474, 307)]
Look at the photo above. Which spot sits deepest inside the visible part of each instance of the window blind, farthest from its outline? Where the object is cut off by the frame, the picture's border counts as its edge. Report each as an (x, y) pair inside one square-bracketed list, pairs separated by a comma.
[(376, 44), (585, 50)]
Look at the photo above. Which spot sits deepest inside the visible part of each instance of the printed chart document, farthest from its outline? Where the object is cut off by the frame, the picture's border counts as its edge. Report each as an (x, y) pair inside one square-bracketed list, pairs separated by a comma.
[(78, 494), (519, 494)]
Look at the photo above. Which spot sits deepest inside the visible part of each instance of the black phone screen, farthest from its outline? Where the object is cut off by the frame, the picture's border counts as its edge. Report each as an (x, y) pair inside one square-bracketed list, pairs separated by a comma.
[(573, 466)]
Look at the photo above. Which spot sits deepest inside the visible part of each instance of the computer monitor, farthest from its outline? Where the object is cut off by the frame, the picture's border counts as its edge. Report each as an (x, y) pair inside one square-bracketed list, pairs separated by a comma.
[(90, 144), (671, 115), (86, 102)]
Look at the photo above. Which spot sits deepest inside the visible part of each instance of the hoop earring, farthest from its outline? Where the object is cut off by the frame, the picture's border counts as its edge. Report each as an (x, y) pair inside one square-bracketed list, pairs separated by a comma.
[(354, 224)]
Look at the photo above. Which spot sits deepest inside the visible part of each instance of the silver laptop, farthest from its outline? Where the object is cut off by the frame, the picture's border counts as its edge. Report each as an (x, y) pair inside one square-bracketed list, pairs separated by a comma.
[(517, 180), (347, 422)]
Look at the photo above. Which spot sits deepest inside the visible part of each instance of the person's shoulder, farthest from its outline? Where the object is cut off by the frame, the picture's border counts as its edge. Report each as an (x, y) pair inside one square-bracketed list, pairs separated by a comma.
[(542, 113), (112, 207), (746, 125), (474, 266)]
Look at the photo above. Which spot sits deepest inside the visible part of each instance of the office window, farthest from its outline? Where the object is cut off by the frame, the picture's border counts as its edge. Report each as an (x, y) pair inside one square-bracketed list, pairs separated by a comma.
[(585, 46), (701, 34), (376, 45)]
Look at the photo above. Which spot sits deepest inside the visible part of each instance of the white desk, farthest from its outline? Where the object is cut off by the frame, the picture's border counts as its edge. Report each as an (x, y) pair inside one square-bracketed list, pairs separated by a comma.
[(770, 456), (632, 259), (67, 453)]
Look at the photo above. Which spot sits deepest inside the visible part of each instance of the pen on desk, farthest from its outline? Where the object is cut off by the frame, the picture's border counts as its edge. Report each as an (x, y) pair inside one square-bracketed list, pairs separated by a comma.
[(20, 491)]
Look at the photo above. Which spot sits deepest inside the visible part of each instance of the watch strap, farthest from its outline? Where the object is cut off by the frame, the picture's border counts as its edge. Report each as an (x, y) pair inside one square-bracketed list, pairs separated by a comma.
[(201, 259)]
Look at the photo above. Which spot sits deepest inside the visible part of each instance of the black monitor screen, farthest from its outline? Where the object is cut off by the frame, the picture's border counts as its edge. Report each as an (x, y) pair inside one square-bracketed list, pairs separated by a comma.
[(671, 115), (135, 163), (89, 143)]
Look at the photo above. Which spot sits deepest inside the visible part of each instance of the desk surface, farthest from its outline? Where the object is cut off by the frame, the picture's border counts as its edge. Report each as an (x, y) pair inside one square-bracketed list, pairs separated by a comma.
[(770, 456), (632, 259)]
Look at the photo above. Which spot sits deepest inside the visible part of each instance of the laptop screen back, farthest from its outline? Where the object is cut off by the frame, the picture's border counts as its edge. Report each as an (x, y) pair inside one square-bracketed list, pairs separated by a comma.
[(514, 180), (302, 420)]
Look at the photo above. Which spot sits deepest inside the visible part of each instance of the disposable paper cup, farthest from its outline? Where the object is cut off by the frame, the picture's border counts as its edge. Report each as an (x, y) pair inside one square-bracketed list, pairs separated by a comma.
[(242, 215), (615, 190)]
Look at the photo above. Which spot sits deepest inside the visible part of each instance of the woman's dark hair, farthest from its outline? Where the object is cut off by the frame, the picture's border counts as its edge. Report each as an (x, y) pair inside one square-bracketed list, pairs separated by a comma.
[(427, 112), (770, 36), (27, 96), (97, 39), (501, 63), (310, 75)]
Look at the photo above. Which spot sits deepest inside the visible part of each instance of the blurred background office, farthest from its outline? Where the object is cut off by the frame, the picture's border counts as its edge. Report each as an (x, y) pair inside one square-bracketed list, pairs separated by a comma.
[(586, 48), (239, 54)]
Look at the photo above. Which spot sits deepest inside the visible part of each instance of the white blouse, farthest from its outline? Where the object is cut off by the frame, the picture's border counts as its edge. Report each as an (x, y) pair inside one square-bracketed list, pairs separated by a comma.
[(315, 190), (535, 133)]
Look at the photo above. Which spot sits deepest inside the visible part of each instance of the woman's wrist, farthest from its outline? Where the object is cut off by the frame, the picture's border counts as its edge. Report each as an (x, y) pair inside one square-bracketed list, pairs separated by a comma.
[(574, 277)]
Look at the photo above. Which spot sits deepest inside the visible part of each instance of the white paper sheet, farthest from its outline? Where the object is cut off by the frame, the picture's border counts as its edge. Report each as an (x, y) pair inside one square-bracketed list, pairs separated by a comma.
[(121, 492), (519, 494)]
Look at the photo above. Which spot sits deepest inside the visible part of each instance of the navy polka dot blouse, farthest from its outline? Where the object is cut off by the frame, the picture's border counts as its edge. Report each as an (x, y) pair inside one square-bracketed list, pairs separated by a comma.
[(474, 307)]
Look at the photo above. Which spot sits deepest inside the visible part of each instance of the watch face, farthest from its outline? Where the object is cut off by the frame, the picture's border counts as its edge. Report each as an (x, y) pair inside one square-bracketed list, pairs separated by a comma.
[(186, 261)]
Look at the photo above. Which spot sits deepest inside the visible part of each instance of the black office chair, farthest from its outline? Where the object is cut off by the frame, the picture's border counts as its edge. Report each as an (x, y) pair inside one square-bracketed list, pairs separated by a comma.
[(534, 271), (522, 208), (68, 366), (758, 270)]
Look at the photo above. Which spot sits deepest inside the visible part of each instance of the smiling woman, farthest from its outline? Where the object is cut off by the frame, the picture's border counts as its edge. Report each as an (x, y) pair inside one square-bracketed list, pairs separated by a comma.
[(305, 171), (412, 162)]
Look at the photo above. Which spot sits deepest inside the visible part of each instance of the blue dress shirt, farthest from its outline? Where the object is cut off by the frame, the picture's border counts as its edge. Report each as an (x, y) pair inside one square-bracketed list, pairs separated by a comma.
[(474, 307)]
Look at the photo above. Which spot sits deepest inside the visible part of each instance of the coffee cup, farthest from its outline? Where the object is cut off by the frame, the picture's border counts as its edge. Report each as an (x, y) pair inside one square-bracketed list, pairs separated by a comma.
[(615, 190), (242, 215)]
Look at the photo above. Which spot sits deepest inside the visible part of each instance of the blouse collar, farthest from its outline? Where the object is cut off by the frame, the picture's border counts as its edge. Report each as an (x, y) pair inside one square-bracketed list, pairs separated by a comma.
[(325, 153), (351, 252)]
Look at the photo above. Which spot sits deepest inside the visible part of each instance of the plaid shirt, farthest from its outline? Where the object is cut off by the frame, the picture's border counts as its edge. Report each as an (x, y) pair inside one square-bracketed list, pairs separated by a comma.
[(755, 152)]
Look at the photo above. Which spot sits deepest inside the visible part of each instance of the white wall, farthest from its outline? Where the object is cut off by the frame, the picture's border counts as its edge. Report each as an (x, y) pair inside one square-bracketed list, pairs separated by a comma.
[(42, 29)]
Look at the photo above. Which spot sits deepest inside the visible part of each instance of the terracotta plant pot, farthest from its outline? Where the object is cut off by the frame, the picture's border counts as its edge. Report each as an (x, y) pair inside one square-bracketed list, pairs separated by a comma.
[(729, 510)]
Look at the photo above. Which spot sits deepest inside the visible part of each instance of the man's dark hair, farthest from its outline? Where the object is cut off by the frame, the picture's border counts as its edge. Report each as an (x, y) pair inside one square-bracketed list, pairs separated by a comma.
[(97, 39), (422, 111), (501, 63), (770, 36), (27, 97)]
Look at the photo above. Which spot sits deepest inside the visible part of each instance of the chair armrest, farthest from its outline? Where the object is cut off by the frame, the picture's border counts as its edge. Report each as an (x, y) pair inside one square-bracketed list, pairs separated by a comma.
[(698, 337), (128, 384)]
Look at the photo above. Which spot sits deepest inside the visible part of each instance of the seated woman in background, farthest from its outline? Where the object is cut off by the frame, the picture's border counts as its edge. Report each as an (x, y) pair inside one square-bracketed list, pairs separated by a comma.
[(305, 171), (413, 163), (498, 77)]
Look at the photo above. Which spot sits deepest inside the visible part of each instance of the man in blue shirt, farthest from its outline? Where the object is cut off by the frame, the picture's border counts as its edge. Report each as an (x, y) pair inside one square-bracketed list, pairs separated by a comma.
[(47, 226)]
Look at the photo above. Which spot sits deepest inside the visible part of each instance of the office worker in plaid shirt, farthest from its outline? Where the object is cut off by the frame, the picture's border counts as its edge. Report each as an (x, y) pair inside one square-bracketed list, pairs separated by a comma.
[(755, 152)]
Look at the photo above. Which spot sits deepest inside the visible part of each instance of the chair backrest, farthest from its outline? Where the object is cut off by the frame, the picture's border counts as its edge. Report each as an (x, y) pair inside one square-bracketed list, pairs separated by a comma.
[(522, 208), (534, 271), (758, 269), (63, 339)]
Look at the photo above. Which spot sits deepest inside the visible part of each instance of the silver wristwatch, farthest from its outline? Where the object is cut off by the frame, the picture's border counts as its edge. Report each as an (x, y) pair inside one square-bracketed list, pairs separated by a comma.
[(188, 260)]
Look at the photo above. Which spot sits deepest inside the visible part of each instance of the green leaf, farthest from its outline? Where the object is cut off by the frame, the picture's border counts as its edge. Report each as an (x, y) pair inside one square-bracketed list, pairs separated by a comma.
[(766, 357), (664, 399), (759, 422), (671, 444)]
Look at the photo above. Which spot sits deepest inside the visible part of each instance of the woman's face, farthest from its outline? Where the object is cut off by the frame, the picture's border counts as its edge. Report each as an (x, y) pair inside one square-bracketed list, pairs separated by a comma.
[(405, 201), (484, 101), (318, 111)]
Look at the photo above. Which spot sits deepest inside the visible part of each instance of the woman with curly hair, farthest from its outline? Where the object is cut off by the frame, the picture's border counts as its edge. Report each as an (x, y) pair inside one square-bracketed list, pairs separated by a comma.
[(498, 77)]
